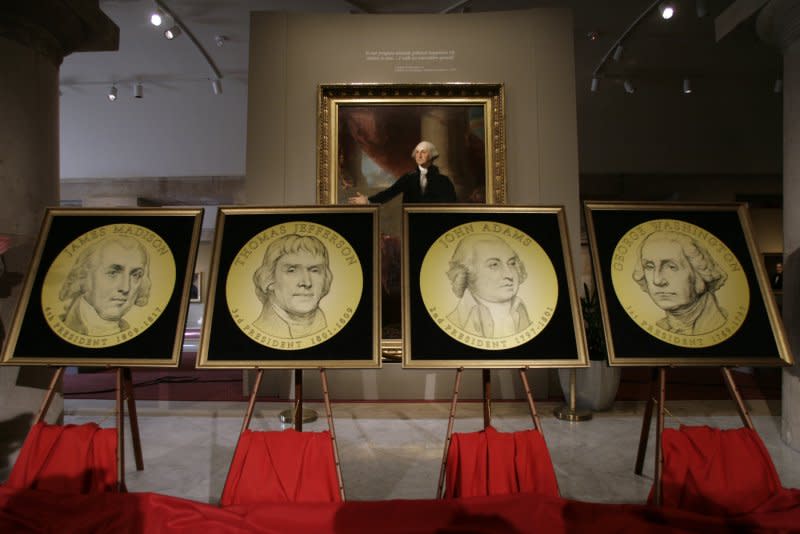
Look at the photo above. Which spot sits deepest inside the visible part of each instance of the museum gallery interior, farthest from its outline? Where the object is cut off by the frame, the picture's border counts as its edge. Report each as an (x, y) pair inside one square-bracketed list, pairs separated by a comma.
[(374, 266)]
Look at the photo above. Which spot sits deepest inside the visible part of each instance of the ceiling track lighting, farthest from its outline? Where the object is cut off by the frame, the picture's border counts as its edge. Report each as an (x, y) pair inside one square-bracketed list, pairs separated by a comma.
[(616, 50), (628, 87), (216, 86), (667, 10), (112, 93), (157, 17), (687, 86), (173, 32), (138, 91), (595, 85), (177, 27)]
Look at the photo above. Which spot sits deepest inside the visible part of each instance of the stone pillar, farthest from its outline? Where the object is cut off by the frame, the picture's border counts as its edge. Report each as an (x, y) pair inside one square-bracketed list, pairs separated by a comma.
[(779, 24), (36, 35)]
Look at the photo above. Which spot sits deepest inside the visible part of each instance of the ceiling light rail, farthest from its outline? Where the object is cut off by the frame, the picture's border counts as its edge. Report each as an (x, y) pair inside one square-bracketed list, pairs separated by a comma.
[(179, 24), (617, 45)]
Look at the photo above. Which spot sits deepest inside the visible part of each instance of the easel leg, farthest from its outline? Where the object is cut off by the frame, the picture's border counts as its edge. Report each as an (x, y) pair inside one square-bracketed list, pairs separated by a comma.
[(120, 433), (298, 400), (537, 424), (487, 397), (48, 396), (662, 389), (648, 416), (137, 440), (744, 413), (329, 414), (252, 402), (450, 421)]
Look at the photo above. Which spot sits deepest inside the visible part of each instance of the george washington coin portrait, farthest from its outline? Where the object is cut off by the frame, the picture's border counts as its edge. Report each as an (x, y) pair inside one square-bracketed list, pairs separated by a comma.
[(680, 283)]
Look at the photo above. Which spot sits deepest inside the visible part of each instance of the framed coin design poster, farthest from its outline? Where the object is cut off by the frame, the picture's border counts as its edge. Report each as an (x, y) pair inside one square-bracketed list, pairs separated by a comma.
[(107, 287), (489, 287), (683, 284), (293, 288)]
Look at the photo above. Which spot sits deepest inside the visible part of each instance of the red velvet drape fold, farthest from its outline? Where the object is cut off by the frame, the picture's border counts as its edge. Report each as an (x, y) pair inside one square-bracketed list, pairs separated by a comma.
[(720, 472), (67, 459), (499, 463), (287, 466)]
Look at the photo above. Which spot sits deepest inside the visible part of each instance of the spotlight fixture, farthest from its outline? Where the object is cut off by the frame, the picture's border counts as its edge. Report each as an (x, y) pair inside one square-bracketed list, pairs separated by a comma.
[(667, 9), (112, 93), (137, 90), (628, 87), (157, 17), (592, 35), (617, 53), (216, 86), (173, 32), (778, 87), (687, 86), (595, 84), (220, 40)]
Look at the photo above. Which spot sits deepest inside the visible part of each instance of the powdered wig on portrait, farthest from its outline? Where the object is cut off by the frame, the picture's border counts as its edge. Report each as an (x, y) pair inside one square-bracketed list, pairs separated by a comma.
[(430, 147), (264, 276), (709, 276), (79, 280), (462, 264)]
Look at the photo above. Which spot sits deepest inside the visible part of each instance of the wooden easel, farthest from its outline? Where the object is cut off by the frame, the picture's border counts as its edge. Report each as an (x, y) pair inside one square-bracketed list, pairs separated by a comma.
[(298, 414), (124, 383), (658, 386), (487, 412)]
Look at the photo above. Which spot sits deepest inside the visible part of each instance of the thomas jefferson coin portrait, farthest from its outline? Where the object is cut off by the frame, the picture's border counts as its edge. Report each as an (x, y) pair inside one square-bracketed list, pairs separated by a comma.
[(680, 283), (294, 285), (108, 286), (488, 285)]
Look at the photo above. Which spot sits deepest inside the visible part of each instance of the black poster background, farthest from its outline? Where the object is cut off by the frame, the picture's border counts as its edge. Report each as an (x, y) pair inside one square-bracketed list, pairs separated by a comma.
[(227, 342), (430, 342), (37, 340), (753, 340)]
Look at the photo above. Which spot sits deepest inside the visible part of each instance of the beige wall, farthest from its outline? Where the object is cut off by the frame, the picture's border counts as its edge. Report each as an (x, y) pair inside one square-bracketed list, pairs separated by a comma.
[(531, 52)]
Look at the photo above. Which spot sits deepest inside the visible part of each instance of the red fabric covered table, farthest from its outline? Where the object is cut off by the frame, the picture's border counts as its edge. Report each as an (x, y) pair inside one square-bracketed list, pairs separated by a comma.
[(39, 511)]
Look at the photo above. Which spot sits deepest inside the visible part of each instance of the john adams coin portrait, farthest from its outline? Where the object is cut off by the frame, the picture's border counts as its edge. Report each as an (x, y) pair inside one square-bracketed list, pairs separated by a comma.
[(294, 285), (488, 285), (108, 285), (680, 283)]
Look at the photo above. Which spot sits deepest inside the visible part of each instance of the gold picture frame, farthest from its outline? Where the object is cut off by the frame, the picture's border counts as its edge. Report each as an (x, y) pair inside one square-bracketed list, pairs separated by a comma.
[(366, 134), (293, 288), (683, 285), (107, 287), (489, 287)]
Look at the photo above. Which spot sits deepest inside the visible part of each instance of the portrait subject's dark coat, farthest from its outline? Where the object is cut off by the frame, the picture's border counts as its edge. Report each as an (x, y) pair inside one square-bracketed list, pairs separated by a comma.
[(439, 188)]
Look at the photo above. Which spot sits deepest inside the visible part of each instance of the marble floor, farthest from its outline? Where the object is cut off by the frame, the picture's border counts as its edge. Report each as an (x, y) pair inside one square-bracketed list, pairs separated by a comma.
[(393, 450)]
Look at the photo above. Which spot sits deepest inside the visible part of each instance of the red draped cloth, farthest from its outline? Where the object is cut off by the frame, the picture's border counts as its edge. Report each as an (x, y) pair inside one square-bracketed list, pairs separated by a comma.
[(499, 463), (521, 513), (67, 459), (721, 472), (286, 466)]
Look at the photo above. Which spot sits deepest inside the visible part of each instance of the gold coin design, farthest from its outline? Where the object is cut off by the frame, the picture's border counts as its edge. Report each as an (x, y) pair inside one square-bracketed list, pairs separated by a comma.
[(108, 286), (294, 285), (488, 285), (680, 283)]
